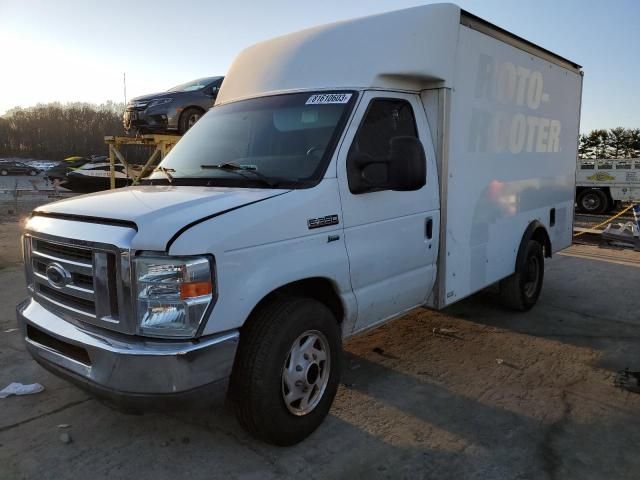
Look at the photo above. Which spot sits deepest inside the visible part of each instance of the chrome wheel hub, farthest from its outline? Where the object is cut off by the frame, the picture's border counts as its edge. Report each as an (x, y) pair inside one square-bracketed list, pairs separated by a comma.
[(193, 119), (305, 373)]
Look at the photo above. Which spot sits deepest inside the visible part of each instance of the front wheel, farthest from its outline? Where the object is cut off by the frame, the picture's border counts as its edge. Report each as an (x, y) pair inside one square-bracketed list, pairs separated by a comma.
[(4, 172), (287, 370), (188, 119), (521, 290), (33, 172)]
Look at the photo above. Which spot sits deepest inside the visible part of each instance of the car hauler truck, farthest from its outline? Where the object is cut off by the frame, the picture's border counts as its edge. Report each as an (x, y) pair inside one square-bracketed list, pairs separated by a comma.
[(347, 174)]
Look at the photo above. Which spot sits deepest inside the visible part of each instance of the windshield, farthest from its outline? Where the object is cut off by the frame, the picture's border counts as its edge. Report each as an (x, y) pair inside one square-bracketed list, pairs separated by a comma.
[(283, 140), (193, 85)]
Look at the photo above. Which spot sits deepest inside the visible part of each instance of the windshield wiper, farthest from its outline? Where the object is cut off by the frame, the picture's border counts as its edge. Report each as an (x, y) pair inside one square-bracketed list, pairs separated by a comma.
[(167, 172), (234, 167)]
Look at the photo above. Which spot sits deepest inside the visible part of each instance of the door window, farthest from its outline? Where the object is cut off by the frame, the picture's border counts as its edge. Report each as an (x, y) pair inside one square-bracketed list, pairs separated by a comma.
[(385, 119)]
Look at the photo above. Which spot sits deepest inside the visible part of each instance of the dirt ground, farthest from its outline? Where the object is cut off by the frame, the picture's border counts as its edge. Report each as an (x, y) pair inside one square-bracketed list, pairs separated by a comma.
[(494, 395), (10, 251)]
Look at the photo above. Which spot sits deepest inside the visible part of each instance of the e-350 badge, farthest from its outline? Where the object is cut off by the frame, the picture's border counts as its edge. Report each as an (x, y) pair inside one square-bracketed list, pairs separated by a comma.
[(323, 221)]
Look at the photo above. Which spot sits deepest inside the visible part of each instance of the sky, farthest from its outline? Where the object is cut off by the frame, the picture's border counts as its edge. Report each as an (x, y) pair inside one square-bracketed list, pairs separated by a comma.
[(77, 50)]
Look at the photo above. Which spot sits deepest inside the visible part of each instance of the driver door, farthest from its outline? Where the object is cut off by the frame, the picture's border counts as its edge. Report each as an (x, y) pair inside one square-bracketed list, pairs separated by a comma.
[(391, 236)]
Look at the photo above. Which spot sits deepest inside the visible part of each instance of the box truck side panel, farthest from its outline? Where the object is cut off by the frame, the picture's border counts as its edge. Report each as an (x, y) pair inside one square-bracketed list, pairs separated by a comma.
[(512, 154)]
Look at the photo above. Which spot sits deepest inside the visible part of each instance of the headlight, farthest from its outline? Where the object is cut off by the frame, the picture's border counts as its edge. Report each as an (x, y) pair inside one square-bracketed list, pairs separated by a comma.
[(172, 294), (159, 101)]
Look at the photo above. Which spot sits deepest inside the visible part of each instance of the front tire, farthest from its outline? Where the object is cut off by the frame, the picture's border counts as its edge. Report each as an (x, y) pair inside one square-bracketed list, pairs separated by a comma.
[(188, 119), (4, 172), (33, 173), (287, 370), (521, 290)]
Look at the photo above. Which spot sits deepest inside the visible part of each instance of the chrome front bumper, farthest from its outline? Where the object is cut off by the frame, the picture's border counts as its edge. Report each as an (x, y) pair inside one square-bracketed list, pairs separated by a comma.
[(116, 366)]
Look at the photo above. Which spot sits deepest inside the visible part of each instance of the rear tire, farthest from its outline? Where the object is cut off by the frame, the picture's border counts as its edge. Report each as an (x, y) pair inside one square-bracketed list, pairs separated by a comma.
[(189, 118), (521, 290), (33, 173), (593, 201), (4, 173), (289, 345)]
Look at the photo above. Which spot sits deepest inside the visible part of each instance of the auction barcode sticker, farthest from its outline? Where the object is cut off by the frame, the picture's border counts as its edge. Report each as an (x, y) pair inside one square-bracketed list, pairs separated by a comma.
[(328, 98)]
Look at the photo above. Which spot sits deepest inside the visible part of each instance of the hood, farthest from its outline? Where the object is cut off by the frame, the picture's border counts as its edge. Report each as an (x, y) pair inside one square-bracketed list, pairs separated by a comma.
[(158, 212), (153, 96)]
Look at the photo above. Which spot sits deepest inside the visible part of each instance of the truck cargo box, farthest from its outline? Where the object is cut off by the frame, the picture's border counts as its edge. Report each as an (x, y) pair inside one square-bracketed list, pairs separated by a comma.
[(503, 114)]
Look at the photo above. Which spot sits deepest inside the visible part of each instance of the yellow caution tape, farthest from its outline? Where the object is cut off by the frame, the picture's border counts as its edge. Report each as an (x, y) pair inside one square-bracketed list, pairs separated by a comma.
[(607, 220)]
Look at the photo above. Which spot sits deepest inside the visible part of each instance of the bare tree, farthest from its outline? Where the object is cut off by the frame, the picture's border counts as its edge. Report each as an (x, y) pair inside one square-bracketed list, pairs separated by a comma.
[(54, 131)]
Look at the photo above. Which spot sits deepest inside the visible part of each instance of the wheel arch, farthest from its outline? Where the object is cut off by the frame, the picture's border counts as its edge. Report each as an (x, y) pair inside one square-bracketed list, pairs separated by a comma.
[(538, 232), (602, 188), (321, 289)]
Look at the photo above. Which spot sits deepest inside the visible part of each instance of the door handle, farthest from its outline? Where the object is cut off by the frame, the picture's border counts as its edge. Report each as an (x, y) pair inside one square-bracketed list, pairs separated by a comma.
[(428, 230)]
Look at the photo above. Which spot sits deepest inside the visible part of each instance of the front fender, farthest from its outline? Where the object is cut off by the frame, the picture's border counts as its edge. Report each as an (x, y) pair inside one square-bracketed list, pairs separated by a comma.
[(247, 276), (266, 245)]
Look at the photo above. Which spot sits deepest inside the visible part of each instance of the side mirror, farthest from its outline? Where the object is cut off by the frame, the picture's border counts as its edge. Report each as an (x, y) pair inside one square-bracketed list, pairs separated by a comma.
[(405, 169), (213, 91), (407, 164)]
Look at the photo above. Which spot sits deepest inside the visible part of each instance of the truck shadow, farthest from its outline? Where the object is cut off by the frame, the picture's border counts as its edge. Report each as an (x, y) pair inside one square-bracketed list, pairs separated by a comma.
[(585, 303), (343, 447), (436, 406), (559, 441), (389, 424)]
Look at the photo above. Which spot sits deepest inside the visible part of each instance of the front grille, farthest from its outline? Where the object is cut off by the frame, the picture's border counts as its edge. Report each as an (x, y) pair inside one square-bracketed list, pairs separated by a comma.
[(79, 279), (63, 251), (87, 307), (81, 282)]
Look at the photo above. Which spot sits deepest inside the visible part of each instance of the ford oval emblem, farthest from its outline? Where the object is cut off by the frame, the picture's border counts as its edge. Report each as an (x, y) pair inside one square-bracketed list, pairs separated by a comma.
[(57, 275)]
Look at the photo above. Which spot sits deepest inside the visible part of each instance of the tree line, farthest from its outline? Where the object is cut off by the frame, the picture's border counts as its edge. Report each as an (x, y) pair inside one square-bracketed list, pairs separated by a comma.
[(616, 142), (54, 131)]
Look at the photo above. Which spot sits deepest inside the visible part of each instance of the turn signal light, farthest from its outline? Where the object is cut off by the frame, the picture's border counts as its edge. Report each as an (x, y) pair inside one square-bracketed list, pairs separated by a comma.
[(194, 289)]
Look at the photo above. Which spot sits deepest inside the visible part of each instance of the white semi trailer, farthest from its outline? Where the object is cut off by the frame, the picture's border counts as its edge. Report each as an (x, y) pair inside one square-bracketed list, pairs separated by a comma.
[(347, 174)]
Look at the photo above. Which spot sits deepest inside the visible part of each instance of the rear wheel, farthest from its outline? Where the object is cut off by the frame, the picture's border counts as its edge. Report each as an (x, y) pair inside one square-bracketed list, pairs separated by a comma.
[(593, 201), (521, 290), (4, 172), (189, 118), (287, 370), (33, 172)]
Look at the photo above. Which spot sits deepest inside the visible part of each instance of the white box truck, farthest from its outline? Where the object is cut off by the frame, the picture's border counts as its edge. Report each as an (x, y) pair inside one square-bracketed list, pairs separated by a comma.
[(347, 174)]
